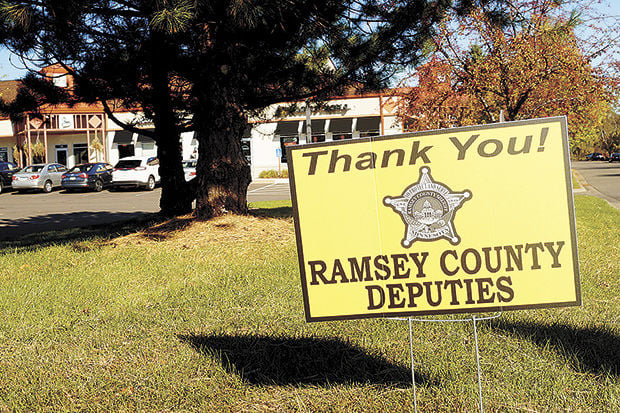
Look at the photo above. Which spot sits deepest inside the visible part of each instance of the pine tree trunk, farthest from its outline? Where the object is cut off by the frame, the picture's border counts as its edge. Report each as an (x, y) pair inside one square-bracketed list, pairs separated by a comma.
[(176, 194), (222, 171)]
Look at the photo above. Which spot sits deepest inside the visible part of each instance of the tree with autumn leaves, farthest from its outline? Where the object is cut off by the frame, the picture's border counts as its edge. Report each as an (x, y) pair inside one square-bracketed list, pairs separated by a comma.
[(524, 63)]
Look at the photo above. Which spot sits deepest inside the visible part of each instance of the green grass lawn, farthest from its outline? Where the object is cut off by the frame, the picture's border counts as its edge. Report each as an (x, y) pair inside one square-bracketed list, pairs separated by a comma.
[(209, 317)]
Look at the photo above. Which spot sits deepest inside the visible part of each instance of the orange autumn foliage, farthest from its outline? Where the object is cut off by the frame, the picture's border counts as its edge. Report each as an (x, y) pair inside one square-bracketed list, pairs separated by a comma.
[(535, 68)]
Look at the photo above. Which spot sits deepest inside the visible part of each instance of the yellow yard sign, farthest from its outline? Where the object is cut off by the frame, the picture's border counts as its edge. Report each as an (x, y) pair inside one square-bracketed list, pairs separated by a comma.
[(457, 220)]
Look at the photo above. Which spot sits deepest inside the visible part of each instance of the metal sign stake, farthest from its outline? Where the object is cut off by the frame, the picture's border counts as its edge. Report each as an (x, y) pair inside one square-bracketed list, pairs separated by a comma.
[(415, 401), (474, 319), (478, 364)]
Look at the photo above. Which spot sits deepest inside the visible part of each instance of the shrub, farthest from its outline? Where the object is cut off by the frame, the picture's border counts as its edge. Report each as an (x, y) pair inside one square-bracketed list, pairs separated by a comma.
[(272, 173)]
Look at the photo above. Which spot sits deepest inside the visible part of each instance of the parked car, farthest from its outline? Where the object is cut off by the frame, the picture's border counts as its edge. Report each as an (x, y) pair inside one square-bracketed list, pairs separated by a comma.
[(596, 156), (614, 157), (189, 168), (94, 176), (136, 172), (39, 176), (7, 169)]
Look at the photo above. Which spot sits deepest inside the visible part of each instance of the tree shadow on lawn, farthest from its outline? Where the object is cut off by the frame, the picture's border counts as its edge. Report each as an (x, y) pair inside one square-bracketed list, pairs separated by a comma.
[(88, 229), (57, 229), (262, 360), (596, 350)]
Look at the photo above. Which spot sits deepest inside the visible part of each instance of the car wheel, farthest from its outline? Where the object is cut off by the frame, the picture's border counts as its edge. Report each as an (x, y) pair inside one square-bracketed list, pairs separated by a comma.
[(150, 184), (1, 187), (98, 185), (47, 187)]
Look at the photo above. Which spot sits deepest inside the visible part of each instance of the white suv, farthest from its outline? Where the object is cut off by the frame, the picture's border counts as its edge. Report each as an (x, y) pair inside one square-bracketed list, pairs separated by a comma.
[(136, 171)]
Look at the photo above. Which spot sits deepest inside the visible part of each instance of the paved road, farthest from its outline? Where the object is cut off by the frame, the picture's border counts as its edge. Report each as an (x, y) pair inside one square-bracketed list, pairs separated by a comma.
[(601, 178), (28, 213)]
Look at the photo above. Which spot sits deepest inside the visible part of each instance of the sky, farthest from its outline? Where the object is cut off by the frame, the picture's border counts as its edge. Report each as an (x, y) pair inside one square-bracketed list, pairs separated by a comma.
[(12, 68)]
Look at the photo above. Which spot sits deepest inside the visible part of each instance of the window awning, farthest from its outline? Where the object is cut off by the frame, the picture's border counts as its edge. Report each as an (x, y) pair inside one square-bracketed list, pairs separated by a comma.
[(146, 139), (122, 137), (287, 128), (317, 125), (368, 124), (342, 125)]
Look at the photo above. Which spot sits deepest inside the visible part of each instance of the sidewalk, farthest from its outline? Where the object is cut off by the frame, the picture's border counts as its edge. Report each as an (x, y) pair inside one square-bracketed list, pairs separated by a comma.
[(270, 180)]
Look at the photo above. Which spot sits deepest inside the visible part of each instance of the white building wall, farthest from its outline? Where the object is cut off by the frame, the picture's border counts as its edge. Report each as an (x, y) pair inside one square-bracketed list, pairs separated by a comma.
[(6, 128), (392, 125), (7, 141), (112, 149), (263, 141), (150, 149), (189, 145), (263, 144)]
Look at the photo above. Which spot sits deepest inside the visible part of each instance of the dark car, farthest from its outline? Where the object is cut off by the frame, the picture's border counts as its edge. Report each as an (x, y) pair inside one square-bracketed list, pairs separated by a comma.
[(596, 156), (614, 157), (94, 176), (7, 169)]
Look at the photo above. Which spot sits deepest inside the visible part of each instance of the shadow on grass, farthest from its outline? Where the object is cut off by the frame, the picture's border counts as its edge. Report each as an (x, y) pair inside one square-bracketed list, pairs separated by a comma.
[(262, 360), (596, 350), (40, 231), (279, 212), (74, 227), (164, 230)]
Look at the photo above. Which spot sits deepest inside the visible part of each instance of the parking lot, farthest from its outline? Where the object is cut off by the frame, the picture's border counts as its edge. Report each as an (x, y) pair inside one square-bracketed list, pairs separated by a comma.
[(27, 213)]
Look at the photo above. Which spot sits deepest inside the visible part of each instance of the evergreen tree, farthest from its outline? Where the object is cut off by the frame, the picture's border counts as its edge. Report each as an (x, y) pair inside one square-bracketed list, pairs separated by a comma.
[(207, 65)]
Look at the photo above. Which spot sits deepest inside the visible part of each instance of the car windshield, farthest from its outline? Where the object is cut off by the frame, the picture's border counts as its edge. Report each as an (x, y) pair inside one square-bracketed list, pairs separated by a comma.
[(189, 164), (81, 168), (129, 163), (33, 168)]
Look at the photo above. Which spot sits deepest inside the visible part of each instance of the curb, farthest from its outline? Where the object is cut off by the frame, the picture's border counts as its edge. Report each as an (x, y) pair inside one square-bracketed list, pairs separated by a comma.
[(581, 181), (271, 180), (590, 190)]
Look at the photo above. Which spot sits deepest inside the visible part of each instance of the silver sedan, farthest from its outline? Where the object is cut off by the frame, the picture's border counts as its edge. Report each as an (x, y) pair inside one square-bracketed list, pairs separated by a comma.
[(39, 176)]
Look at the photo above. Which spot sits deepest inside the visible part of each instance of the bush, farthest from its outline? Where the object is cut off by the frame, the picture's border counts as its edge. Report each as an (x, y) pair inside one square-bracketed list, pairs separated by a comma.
[(272, 173)]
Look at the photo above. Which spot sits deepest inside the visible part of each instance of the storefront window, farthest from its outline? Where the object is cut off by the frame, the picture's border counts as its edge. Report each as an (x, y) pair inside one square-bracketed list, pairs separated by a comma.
[(80, 151), (368, 134), (125, 151), (287, 141), (368, 126)]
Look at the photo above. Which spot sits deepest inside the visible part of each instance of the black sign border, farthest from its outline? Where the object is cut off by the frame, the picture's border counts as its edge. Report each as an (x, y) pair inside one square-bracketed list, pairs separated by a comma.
[(569, 199)]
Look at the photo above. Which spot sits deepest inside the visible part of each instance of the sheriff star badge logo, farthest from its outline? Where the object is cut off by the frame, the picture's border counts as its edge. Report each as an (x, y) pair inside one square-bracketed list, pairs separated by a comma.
[(427, 209)]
